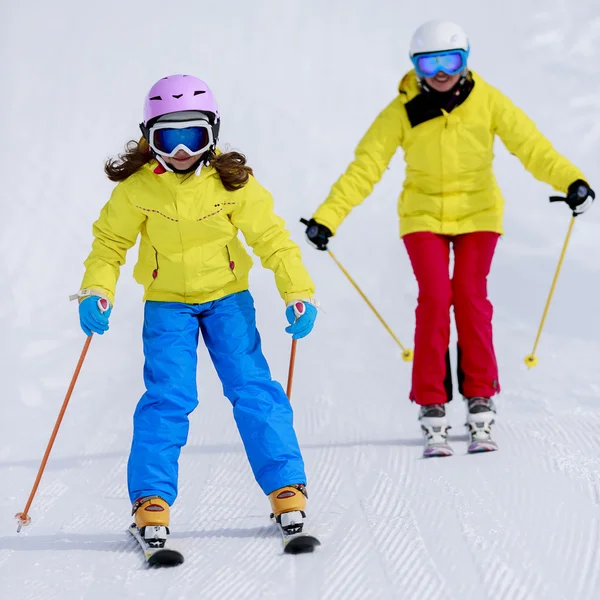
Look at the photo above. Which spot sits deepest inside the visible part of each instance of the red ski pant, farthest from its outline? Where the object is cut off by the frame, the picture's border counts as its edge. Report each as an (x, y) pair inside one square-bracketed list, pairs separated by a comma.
[(467, 290)]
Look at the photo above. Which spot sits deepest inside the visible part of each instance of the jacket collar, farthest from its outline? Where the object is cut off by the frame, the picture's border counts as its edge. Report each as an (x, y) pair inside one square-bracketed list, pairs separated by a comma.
[(159, 168), (163, 167), (428, 105), (409, 85)]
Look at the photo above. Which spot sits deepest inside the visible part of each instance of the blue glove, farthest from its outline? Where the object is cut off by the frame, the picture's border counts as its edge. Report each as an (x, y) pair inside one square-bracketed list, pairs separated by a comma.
[(93, 315), (301, 314)]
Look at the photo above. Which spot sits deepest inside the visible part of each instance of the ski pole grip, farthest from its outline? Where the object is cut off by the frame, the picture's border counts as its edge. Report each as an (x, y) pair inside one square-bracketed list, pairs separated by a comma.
[(299, 309), (103, 305), (304, 222)]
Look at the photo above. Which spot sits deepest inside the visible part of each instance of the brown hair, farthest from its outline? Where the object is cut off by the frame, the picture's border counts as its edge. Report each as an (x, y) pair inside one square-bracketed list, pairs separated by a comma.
[(231, 167)]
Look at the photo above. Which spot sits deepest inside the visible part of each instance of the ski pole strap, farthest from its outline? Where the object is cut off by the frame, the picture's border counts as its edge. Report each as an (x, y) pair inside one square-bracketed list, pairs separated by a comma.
[(563, 199), (82, 294)]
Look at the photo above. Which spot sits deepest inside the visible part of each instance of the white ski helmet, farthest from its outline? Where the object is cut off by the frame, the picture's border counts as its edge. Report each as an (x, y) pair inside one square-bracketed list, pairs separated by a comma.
[(438, 36)]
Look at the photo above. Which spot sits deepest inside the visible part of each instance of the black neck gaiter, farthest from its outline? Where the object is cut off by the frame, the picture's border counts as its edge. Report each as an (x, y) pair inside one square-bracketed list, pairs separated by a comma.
[(429, 103)]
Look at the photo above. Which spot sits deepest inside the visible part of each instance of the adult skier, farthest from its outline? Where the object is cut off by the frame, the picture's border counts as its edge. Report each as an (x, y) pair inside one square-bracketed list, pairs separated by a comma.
[(445, 118)]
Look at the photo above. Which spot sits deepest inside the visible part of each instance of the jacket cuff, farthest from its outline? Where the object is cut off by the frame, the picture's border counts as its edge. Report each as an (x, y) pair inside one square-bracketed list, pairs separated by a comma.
[(323, 220), (305, 296)]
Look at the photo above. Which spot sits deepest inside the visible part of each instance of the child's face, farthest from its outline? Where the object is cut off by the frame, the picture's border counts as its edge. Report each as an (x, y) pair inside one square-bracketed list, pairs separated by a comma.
[(442, 82), (181, 161)]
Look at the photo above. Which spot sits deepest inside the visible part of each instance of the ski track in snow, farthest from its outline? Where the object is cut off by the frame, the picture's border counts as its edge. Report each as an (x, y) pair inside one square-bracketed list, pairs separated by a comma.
[(520, 524)]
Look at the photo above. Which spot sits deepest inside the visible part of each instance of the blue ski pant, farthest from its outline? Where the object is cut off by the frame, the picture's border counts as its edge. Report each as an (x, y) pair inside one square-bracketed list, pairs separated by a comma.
[(261, 409)]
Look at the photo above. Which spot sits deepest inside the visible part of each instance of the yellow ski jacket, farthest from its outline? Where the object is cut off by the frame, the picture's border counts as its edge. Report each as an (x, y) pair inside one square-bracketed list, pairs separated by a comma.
[(189, 248), (449, 187)]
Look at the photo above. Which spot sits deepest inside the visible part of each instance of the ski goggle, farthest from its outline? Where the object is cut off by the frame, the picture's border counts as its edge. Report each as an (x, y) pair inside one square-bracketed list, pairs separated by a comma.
[(450, 62), (194, 137)]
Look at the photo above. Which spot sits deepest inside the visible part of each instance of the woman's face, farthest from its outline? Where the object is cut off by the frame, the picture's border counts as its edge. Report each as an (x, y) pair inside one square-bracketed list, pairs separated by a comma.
[(442, 82), (181, 161)]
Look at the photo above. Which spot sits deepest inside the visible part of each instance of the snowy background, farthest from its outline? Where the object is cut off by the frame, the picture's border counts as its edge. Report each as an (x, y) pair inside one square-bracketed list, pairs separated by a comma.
[(298, 83)]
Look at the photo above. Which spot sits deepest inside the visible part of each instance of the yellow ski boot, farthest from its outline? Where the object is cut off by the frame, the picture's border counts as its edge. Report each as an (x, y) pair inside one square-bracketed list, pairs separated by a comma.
[(288, 505), (152, 515)]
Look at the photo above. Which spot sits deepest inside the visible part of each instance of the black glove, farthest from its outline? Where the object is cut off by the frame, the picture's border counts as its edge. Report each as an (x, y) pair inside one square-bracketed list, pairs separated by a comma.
[(318, 235), (579, 197)]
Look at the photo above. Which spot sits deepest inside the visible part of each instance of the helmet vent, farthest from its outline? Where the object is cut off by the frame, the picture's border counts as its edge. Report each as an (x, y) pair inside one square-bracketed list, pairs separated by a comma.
[(177, 96), (156, 98), (198, 92)]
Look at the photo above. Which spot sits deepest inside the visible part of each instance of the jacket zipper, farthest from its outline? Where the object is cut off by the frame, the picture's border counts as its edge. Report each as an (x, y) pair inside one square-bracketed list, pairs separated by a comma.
[(443, 175)]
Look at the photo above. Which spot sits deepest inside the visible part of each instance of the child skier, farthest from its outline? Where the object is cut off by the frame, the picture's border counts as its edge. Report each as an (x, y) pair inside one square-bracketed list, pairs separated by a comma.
[(188, 201), (445, 118)]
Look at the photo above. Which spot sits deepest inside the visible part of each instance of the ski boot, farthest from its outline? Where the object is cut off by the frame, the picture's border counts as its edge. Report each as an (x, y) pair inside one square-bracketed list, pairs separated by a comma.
[(151, 515), (435, 429), (481, 413), (288, 505)]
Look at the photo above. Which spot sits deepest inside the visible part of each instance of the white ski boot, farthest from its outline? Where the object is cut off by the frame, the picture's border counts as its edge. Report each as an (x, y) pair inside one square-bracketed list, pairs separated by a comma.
[(435, 429), (481, 413)]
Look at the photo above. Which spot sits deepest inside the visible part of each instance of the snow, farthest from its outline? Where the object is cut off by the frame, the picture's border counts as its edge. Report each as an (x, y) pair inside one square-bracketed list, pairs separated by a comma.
[(298, 83)]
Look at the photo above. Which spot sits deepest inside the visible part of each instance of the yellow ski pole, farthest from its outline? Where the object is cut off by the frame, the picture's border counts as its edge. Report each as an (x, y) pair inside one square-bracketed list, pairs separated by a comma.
[(531, 359), (407, 354)]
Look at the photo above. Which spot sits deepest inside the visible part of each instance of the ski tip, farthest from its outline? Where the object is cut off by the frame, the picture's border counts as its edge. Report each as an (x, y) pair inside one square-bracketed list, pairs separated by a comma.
[(165, 557), (480, 447), (301, 544), (437, 452)]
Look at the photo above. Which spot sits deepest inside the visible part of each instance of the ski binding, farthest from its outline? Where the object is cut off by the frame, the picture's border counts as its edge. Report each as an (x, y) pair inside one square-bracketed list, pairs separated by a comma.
[(155, 551), (295, 540)]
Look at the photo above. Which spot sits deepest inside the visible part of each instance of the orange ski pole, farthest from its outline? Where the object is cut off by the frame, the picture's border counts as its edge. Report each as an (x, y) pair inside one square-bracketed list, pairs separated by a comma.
[(299, 309), (23, 518), (291, 370)]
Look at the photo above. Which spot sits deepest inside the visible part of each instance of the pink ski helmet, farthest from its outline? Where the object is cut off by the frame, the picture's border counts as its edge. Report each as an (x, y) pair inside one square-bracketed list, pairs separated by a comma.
[(180, 98), (177, 93)]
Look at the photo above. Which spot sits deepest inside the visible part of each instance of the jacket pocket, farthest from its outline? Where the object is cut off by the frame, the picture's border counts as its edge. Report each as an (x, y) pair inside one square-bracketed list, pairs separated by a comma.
[(239, 261), (155, 269), (232, 263), (147, 268)]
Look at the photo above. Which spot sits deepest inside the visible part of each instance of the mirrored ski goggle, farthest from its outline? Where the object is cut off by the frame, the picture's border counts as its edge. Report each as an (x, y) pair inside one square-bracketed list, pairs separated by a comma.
[(194, 137), (450, 62)]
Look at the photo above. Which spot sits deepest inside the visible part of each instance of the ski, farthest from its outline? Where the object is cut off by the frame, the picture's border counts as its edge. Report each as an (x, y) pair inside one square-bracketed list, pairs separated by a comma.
[(297, 543), (295, 539), (435, 450), (156, 556), (482, 446)]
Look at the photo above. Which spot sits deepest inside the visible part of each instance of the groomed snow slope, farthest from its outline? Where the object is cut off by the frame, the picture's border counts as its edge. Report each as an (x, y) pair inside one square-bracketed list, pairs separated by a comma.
[(298, 83)]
